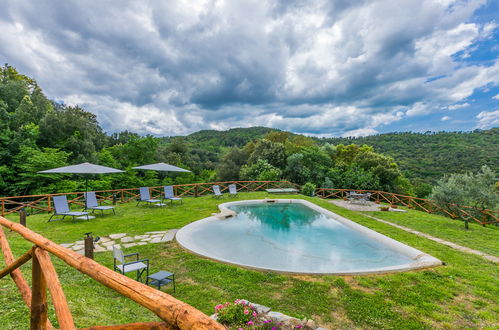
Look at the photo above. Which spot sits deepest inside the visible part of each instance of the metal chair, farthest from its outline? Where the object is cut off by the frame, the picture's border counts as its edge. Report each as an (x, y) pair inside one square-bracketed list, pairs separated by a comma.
[(140, 266)]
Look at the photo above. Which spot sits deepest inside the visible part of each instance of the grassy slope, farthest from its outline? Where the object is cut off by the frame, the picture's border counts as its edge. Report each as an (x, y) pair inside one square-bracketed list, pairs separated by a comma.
[(461, 294), (442, 227)]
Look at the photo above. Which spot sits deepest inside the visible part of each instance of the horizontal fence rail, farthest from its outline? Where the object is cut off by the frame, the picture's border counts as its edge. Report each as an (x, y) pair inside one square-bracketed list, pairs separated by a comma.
[(43, 203), (174, 313), (453, 211)]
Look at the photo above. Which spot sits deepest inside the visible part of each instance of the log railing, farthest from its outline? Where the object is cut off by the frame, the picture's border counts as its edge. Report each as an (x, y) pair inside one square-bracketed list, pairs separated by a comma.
[(454, 211), (174, 313), (41, 203)]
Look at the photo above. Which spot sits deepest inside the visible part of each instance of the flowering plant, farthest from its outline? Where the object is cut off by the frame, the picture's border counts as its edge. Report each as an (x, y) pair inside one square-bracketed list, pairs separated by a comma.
[(237, 313)]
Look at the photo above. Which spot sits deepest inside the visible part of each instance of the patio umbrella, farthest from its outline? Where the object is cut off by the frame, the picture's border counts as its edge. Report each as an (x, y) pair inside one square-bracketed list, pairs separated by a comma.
[(83, 168), (163, 167)]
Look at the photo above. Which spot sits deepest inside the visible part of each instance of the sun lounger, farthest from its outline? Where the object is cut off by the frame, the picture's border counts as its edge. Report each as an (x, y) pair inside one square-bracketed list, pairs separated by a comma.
[(92, 204), (61, 208)]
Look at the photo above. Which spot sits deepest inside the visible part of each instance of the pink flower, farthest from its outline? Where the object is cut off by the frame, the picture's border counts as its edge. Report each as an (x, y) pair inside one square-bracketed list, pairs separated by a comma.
[(237, 301), (250, 323), (219, 306), (246, 311), (254, 314)]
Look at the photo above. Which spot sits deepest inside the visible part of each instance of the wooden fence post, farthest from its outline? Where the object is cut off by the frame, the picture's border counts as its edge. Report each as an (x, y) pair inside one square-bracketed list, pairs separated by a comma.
[(196, 190), (38, 319), (22, 217), (89, 246)]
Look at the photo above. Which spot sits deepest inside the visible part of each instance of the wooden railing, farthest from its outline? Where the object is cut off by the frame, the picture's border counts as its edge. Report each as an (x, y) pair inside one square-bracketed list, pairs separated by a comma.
[(454, 211), (174, 313), (43, 203)]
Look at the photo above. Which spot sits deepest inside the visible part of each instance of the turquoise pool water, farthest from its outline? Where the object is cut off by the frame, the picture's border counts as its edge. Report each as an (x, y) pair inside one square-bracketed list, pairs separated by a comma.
[(289, 237)]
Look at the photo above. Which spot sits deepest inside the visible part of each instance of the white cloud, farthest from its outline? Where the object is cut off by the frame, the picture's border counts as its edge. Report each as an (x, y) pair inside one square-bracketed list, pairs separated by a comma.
[(445, 118), (487, 119), (317, 67), (360, 132), (496, 97), (458, 106)]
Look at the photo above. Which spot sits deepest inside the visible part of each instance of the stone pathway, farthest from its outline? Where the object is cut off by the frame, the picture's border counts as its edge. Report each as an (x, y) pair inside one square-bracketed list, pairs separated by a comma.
[(439, 240), (369, 206), (106, 243)]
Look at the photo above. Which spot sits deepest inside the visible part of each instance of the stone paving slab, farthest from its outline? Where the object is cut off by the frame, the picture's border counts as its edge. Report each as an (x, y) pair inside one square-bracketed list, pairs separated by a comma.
[(116, 236)]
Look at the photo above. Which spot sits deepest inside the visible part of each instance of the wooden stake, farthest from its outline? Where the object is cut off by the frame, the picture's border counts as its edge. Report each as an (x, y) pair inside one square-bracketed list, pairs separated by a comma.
[(89, 247), (17, 263), (38, 298), (62, 310), (22, 217)]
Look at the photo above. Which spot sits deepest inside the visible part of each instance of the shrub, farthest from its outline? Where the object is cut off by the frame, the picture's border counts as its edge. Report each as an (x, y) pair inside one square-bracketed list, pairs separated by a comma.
[(308, 189), (237, 313)]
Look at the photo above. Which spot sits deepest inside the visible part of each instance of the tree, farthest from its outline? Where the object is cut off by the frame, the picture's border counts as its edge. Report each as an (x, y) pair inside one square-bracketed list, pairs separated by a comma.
[(230, 165), (29, 161), (74, 130), (272, 153), (260, 171), (352, 177), (471, 189), (309, 165)]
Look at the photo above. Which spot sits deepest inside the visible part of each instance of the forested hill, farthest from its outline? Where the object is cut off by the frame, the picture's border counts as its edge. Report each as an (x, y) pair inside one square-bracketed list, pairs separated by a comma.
[(216, 140), (428, 156), (423, 156)]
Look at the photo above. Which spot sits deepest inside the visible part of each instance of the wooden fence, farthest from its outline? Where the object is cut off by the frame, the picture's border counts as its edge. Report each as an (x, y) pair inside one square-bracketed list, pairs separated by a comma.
[(43, 203), (174, 313), (454, 211)]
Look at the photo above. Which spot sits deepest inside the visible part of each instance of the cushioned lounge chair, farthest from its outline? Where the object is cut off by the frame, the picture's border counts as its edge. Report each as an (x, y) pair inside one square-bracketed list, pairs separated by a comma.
[(169, 194), (216, 191), (232, 190), (61, 208), (145, 196), (92, 204)]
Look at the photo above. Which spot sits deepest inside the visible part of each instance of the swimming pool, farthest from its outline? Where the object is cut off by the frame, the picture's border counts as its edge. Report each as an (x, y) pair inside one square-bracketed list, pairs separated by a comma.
[(296, 236)]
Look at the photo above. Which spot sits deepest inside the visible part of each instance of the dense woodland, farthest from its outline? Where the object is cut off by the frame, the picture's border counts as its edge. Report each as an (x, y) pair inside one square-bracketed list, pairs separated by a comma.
[(38, 134)]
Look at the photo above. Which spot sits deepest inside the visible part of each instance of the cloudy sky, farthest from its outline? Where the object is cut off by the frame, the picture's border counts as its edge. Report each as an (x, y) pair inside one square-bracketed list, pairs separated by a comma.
[(330, 68)]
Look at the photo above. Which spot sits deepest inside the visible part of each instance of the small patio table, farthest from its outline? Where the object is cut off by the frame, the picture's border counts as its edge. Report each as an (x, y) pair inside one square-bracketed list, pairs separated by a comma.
[(161, 278), (360, 198), (282, 190)]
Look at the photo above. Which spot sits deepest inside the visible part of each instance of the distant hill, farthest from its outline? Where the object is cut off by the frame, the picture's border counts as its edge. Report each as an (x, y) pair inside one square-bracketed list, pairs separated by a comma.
[(216, 140), (425, 156), (428, 156)]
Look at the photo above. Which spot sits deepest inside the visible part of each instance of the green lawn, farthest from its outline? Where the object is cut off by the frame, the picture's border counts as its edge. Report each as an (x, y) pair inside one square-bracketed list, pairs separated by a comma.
[(476, 237), (462, 294)]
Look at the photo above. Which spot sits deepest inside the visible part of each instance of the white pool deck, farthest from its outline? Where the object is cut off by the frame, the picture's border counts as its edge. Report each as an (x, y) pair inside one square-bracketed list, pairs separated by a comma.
[(420, 259)]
